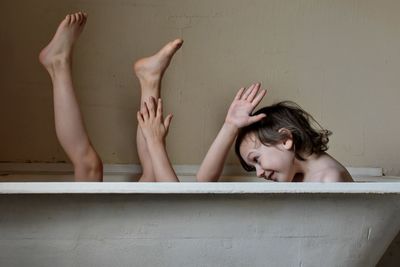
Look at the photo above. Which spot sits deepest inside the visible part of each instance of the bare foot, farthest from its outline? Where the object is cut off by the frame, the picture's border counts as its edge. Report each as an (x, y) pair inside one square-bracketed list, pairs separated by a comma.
[(152, 68), (59, 49)]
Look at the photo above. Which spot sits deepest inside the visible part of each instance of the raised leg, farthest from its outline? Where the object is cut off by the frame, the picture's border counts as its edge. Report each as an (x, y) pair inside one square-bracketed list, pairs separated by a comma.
[(56, 57), (150, 71)]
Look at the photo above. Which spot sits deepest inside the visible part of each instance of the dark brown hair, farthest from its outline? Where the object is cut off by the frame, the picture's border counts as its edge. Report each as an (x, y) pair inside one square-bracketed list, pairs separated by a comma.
[(306, 139)]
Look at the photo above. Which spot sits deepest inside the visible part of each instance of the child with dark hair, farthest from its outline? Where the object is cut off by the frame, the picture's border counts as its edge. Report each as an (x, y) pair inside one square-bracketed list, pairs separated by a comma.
[(279, 142)]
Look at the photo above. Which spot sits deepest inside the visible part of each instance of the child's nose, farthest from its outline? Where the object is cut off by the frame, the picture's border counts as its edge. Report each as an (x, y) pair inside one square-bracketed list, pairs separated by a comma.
[(259, 172)]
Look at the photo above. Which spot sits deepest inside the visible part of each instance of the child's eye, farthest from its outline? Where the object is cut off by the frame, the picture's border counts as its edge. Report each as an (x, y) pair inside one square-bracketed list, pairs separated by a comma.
[(255, 159)]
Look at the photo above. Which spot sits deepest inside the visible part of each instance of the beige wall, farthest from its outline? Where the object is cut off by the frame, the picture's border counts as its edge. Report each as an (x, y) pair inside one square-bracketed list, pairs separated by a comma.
[(339, 60)]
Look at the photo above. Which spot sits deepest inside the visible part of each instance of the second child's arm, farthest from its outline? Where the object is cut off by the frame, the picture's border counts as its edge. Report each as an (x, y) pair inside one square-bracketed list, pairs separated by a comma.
[(155, 130), (238, 116), (213, 164)]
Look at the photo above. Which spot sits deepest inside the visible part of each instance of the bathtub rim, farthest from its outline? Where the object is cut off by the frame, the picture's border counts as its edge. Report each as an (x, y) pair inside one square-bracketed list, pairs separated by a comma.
[(197, 188)]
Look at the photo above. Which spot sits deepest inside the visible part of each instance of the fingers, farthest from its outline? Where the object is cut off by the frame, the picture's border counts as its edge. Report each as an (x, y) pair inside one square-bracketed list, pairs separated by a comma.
[(139, 118), (151, 107), (167, 121), (253, 92), (247, 92), (256, 118), (239, 93), (145, 111), (159, 113), (258, 98)]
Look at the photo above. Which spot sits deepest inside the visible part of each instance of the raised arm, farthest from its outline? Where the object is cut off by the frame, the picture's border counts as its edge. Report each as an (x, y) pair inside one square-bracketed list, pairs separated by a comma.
[(155, 130), (238, 116)]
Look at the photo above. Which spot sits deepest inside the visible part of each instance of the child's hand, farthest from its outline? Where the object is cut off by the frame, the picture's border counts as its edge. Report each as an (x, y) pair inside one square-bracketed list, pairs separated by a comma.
[(151, 121), (242, 106)]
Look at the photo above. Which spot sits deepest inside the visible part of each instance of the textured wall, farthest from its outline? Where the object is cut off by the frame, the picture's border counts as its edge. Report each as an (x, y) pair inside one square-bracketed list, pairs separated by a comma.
[(338, 59)]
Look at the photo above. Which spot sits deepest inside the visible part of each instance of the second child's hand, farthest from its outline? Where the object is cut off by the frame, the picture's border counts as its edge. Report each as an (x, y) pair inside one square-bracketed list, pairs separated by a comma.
[(243, 105)]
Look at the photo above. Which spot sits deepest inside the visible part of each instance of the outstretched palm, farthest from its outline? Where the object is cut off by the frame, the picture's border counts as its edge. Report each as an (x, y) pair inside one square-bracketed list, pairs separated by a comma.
[(243, 105)]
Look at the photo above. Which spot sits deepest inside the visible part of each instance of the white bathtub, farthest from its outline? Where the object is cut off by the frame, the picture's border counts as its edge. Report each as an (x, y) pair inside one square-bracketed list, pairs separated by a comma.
[(196, 224)]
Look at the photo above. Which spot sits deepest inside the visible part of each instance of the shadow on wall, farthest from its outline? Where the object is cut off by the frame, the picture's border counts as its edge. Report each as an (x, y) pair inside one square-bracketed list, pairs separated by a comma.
[(391, 258)]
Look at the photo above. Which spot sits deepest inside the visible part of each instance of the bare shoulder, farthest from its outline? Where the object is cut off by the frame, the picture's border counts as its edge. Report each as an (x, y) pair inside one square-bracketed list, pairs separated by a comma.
[(334, 171), (332, 175)]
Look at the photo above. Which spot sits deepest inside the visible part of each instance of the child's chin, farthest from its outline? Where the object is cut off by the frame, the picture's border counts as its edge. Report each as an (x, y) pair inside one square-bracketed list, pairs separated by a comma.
[(283, 179)]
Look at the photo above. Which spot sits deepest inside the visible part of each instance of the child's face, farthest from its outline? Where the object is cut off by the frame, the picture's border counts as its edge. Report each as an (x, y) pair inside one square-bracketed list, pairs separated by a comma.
[(274, 163)]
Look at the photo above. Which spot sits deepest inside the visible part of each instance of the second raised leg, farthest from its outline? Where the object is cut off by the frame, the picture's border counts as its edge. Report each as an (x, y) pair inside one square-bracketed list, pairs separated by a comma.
[(150, 71)]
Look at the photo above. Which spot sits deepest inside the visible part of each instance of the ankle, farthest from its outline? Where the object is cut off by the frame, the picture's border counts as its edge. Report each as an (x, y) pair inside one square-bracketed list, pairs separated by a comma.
[(60, 62), (150, 84), (57, 64)]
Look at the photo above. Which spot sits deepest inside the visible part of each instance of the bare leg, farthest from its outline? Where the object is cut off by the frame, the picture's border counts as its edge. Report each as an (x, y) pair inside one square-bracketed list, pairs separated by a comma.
[(56, 57), (150, 71)]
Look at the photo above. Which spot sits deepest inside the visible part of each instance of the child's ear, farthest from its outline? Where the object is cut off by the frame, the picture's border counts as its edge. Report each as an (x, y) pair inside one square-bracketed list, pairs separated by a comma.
[(288, 138)]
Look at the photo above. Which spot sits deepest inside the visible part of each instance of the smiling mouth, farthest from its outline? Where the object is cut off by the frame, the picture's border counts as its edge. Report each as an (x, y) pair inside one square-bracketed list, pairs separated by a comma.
[(270, 175)]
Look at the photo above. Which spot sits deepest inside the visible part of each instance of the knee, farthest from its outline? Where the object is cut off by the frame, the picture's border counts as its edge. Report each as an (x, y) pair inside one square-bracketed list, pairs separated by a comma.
[(89, 167)]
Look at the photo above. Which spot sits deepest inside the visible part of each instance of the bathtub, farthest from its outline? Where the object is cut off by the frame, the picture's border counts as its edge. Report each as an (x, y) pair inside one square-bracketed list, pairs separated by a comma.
[(236, 223)]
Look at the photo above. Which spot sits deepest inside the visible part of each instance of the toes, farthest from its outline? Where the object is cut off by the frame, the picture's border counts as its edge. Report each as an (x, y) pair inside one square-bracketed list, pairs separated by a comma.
[(72, 19), (178, 43), (68, 19), (76, 17), (174, 45), (170, 48), (81, 18), (84, 17)]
